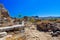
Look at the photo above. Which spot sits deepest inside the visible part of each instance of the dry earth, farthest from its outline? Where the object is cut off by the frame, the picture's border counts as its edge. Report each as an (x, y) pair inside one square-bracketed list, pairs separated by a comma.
[(32, 34)]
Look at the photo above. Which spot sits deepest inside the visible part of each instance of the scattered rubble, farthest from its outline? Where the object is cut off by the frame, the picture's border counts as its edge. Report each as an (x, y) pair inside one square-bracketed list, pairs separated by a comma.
[(36, 35)]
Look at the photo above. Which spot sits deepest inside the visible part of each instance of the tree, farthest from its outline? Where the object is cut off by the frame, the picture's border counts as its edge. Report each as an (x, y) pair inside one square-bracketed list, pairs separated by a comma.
[(36, 17), (32, 20), (25, 18), (19, 15)]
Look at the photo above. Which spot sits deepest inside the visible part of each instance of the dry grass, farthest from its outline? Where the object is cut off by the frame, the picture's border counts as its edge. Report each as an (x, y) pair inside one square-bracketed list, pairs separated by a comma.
[(15, 38), (58, 20)]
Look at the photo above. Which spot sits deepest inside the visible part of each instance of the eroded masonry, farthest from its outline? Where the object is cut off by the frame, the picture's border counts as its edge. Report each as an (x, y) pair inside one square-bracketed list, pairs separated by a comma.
[(5, 19)]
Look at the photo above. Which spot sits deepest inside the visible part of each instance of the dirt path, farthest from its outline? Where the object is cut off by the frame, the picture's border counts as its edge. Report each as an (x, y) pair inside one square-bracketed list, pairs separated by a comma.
[(36, 35)]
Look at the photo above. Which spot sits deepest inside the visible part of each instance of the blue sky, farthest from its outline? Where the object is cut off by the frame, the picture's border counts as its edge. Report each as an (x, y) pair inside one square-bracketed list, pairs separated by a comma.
[(32, 7)]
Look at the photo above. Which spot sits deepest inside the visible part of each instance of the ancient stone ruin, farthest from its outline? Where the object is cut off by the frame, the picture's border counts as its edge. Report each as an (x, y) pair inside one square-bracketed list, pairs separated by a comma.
[(5, 19)]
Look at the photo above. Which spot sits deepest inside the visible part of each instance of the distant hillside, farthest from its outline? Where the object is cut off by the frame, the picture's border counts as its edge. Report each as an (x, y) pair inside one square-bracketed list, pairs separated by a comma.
[(49, 17)]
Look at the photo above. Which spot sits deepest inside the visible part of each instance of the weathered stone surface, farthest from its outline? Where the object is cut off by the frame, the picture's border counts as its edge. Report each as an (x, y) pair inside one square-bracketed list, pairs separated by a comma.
[(2, 34)]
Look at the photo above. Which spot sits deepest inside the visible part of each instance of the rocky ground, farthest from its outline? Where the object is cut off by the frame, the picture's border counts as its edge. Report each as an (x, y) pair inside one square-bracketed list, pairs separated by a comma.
[(14, 36), (32, 34)]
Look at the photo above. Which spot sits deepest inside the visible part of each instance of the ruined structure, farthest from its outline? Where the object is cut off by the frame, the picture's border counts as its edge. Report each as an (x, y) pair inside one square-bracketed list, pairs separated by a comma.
[(5, 19)]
